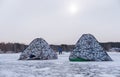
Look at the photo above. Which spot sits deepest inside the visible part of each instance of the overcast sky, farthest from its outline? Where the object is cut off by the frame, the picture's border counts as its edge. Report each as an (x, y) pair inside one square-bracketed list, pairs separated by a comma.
[(59, 21)]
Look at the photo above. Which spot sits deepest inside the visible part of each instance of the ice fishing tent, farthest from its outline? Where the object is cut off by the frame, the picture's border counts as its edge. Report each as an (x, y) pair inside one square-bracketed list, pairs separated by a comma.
[(38, 49), (88, 49)]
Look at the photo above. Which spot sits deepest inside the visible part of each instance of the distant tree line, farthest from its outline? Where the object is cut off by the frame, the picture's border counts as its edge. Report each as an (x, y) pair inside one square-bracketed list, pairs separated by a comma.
[(12, 47), (64, 47), (18, 47), (109, 45)]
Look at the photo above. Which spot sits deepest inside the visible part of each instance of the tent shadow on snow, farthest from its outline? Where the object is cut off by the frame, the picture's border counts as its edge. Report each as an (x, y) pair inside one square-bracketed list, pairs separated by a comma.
[(88, 49), (38, 49)]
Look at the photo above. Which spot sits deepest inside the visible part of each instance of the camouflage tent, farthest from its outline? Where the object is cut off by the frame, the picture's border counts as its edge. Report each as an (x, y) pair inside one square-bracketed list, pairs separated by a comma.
[(88, 49), (38, 50)]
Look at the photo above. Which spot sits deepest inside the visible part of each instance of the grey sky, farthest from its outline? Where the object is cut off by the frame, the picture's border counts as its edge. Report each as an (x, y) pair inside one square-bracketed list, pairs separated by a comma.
[(53, 20)]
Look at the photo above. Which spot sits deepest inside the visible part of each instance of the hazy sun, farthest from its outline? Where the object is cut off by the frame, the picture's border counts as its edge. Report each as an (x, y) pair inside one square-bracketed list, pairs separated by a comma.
[(73, 9)]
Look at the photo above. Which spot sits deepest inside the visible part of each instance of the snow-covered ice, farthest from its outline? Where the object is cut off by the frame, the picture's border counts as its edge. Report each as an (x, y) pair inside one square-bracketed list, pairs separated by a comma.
[(10, 66)]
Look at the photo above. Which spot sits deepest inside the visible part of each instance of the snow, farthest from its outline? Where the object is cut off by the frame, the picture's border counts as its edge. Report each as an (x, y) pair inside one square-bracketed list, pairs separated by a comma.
[(10, 66)]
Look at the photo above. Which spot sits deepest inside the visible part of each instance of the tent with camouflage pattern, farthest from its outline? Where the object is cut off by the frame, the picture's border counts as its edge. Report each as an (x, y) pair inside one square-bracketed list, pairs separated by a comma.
[(88, 49), (38, 49)]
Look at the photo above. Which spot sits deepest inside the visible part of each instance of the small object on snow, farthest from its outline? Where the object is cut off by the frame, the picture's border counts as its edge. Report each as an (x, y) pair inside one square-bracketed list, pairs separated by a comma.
[(38, 50), (88, 49)]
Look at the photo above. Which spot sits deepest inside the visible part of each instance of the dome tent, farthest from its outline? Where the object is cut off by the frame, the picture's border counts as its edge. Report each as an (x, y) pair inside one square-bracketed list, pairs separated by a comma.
[(88, 49), (38, 49)]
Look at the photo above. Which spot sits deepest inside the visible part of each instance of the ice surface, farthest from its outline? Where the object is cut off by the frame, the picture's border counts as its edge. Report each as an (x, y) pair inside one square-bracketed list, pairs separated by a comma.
[(10, 66)]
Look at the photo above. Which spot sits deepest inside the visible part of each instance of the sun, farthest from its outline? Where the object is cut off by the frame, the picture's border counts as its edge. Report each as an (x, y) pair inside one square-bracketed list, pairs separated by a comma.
[(73, 9)]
